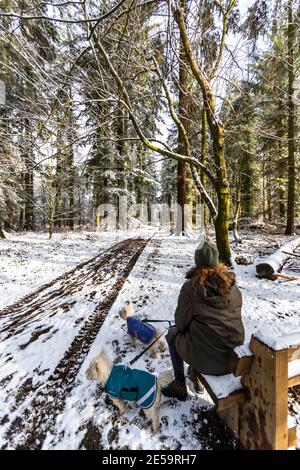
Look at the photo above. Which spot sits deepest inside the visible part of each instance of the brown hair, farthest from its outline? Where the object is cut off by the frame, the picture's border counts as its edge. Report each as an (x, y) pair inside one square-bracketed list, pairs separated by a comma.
[(218, 277)]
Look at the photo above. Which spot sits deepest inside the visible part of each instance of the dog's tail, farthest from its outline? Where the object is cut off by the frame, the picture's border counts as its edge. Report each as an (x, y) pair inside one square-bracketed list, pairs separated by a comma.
[(165, 378)]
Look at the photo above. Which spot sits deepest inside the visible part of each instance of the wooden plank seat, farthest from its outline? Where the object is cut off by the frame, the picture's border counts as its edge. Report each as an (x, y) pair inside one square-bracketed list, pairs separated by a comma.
[(226, 390), (253, 400)]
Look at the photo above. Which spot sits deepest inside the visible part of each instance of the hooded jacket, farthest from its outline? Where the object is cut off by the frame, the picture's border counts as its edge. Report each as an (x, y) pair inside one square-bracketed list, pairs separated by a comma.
[(208, 328)]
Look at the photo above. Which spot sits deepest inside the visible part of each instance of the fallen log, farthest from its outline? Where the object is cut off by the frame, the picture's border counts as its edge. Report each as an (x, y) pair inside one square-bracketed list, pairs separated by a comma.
[(274, 262), (285, 276)]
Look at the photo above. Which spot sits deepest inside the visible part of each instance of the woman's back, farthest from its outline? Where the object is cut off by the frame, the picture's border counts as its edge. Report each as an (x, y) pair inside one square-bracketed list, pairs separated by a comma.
[(208, 317), (208, 322)]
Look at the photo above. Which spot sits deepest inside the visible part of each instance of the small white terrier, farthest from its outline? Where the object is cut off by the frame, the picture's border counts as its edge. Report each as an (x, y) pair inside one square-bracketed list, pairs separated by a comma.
[(100, 368), (138, 330)]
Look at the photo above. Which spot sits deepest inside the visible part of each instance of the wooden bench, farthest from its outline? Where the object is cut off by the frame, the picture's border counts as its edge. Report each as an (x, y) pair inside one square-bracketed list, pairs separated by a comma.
[(253, 400)]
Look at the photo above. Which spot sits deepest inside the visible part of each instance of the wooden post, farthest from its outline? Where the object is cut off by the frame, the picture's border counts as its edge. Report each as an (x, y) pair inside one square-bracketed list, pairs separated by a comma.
[(230, 416), (263, 416)]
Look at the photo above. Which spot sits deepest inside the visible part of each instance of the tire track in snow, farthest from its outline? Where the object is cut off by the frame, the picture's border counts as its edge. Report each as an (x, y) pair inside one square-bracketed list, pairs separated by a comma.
[(40, 415), (52, 296)]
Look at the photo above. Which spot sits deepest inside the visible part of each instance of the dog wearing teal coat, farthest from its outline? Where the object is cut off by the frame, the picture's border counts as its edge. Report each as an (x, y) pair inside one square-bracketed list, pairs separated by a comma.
[(124, 384)]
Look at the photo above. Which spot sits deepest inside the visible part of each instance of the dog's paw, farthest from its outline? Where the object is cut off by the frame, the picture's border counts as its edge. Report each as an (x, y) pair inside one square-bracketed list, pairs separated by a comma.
[(132, 341), (121, 410), (155, 426)]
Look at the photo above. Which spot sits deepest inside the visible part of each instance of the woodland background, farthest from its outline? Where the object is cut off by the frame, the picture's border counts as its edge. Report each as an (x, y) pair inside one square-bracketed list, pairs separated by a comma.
[(158, 101)]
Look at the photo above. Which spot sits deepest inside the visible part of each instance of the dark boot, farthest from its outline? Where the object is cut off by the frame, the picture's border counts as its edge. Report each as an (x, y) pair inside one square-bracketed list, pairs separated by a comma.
[(176, 389), (192, 373)]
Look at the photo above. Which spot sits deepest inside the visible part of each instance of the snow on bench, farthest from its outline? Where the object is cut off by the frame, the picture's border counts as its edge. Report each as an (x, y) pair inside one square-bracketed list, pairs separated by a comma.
[(243, 351), (280, 342), (223, 389), (226, 390), (242, 360)]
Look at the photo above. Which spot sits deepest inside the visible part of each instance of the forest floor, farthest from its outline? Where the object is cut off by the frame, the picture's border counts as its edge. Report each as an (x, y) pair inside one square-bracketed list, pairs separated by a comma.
[(57, 314)]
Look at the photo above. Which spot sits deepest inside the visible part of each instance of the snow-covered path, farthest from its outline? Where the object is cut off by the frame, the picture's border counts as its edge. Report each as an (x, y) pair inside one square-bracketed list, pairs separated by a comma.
[(89, 420), (48, 402), (46, 336), (29, 260)]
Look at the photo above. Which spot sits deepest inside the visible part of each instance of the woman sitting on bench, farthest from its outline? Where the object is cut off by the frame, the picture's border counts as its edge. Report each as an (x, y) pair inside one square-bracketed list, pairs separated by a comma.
[(208, 324)]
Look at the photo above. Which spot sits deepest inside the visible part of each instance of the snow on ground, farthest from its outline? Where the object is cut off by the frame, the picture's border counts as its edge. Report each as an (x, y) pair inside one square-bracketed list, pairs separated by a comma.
[(32, 331), (88, 419), (269, 306), (153, 287), (29, 259)]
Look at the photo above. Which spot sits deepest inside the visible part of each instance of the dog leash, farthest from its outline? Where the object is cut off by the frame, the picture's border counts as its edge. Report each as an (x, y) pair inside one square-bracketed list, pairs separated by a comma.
[(145, 320), (148, 347)]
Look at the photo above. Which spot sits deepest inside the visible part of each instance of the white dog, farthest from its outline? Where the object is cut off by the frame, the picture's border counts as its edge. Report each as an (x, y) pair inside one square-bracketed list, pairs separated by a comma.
[(144, 332), (100, 369)]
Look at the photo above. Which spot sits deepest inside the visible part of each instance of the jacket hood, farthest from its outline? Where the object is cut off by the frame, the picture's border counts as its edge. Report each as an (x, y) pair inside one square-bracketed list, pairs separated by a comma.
[(208, 295)]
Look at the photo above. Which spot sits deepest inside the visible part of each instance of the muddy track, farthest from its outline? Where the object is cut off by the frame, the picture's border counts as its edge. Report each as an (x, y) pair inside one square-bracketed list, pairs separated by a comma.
[(15, 309), (92, 439), (30, 429), (47, 301)]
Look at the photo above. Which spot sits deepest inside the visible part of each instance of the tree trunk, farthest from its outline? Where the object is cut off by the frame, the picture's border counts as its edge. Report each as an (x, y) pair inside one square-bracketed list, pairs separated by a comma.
[(269, 189), (28, 181), (71, 189), (281, 189), (217, 135), (264, 188), (71, 208), (290, 225), (236, 215), (181, 186), (29, 196), (183, 116), (203, 160), (59, 178), (222, 190), (70, 165), (246, 177), (222, 225), (122, 148), (2, 233), (51, 203)]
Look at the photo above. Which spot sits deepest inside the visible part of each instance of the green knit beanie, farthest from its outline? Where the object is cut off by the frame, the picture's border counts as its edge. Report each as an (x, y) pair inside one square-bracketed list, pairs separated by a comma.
[(207, 255)]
